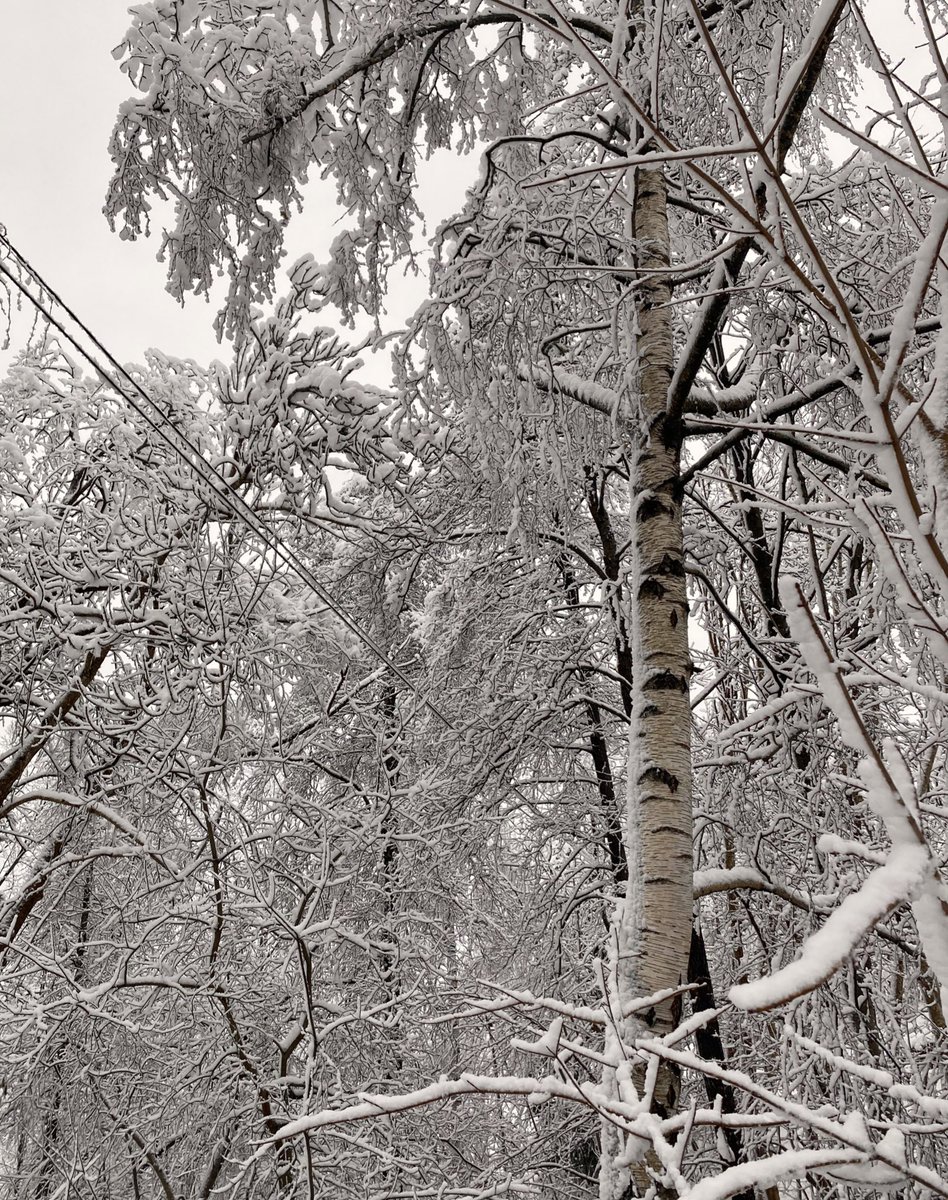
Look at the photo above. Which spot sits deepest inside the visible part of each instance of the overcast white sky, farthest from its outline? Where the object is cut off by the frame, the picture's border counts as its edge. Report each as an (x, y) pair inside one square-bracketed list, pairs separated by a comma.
[(59, 92)]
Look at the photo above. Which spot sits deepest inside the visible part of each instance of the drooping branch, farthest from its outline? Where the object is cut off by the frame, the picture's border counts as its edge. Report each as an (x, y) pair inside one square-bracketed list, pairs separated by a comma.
[(393, 42), (796, 92)]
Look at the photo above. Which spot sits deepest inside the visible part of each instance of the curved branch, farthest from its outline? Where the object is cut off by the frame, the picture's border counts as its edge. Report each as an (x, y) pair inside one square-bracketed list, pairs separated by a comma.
[(389, 45), (798, 88)]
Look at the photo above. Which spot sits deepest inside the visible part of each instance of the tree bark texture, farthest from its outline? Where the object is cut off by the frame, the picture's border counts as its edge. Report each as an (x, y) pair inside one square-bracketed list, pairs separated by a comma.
[(660, 792), (654, 924)]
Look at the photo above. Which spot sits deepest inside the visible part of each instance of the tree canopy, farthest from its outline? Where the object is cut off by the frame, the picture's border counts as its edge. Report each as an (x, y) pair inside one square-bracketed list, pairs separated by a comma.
[(528, 778)]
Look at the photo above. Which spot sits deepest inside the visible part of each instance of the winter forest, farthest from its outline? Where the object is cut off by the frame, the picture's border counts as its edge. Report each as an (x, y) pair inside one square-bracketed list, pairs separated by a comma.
[(526, 777)]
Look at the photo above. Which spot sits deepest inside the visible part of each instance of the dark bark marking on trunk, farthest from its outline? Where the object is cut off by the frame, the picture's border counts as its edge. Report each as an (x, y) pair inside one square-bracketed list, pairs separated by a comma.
[(660, 775)]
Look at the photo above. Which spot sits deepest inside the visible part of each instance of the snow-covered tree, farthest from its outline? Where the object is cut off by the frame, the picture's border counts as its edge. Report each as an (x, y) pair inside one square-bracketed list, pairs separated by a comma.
[(617, 778)]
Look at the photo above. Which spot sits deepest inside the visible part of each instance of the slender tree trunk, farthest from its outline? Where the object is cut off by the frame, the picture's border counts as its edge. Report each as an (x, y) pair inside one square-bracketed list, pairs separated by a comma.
[(653, 932), (660, 734), (389, 784)]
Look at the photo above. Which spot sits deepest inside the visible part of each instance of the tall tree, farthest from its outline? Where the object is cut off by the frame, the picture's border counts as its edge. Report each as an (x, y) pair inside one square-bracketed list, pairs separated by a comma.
[(677, 367)]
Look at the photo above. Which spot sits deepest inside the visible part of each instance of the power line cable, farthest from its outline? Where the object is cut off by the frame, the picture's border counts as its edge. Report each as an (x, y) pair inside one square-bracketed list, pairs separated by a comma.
[(172, 436), (163, 424)]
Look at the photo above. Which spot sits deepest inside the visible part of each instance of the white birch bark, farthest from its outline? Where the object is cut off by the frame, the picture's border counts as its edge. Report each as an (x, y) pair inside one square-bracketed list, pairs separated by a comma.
[(654, 923)]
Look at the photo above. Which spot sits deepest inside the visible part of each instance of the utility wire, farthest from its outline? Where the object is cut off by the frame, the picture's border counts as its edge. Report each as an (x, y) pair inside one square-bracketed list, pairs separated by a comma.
[(163, 424)]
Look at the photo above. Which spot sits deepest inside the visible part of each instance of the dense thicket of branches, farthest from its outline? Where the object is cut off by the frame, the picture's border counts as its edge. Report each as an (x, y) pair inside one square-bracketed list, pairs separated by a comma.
[(354, 751)]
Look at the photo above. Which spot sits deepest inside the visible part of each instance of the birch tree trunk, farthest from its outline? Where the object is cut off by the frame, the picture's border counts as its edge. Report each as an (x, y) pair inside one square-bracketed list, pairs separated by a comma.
[(659, 736), (654, 923)]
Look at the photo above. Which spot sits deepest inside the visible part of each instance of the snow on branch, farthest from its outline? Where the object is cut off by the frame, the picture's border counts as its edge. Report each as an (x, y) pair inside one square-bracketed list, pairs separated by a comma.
[(738, 398), (573, 387), (749, 879), (359, 60), (791, 1164), (98, 809), (909, 873), (826, 950), (532, 1089), (923, 179), (880, 1164), (575, 1012)]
